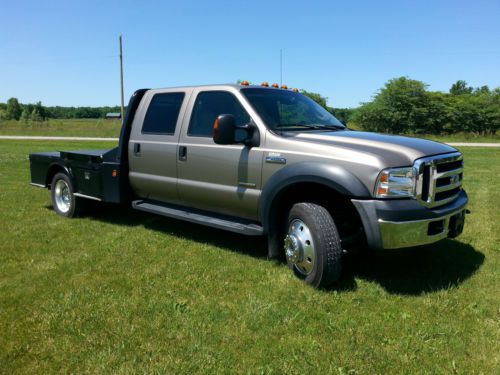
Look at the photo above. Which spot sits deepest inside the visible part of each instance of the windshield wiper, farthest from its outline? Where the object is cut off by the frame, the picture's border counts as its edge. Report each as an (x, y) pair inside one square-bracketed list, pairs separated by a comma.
[(281, 126), (312, 126), (332, 126)]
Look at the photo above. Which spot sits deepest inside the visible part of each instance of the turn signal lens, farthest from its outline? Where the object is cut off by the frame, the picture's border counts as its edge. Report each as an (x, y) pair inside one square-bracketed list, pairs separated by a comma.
[(215, 129)]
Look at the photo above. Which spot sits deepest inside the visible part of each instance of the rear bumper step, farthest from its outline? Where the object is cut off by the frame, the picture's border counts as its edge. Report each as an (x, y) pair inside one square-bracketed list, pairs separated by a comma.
[(232, 224)]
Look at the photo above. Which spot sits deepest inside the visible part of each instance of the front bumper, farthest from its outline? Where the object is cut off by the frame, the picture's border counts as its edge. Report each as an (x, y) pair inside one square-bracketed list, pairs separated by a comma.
[(392, 224)]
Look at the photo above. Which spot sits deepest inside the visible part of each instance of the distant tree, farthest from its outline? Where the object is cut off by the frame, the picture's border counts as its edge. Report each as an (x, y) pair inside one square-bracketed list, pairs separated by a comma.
[(41, 110), (399, 107), (29, 108), (342, 114), (318, 98), (79, 112), (481, 90), (36, 115), (25, 115), (460, 88), (405, 106), (478, 114), (13, 109), (438, 114)]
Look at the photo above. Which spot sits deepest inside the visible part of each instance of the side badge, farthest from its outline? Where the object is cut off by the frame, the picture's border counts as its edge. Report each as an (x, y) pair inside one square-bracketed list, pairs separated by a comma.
[(275, 158)]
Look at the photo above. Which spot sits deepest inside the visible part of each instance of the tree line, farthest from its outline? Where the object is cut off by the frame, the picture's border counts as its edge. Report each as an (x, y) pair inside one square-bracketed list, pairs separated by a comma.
[(402, 106), (406, 106), (14, 110)]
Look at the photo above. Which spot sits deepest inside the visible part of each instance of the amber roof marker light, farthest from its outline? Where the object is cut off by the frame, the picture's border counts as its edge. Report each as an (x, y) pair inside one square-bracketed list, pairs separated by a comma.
[(284, 87), (244, 83), (265, 84), (295, 90), (276, 86)]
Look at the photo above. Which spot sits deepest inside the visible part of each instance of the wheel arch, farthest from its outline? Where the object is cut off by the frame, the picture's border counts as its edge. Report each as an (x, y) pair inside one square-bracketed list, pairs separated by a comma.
[(55, 168), (308, 181)]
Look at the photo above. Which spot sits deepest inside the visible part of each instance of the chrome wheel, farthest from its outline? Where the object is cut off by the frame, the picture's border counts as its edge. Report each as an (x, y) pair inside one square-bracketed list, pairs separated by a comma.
[(299, 247), (62, 195)]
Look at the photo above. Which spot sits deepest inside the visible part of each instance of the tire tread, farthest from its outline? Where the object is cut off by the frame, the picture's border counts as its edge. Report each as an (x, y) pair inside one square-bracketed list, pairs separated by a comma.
[(329, 255)]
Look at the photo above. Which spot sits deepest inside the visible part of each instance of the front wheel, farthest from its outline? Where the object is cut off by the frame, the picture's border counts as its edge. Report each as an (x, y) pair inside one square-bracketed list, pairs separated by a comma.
[(63, 199), (312, 245)]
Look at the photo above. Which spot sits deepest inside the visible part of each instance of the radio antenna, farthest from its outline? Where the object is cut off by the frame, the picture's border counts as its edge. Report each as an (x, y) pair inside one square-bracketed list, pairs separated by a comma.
[(121, 80)]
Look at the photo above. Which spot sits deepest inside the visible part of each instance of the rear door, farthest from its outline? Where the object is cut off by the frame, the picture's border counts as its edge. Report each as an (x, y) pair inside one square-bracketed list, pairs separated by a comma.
[(219, 178), (153, 142)]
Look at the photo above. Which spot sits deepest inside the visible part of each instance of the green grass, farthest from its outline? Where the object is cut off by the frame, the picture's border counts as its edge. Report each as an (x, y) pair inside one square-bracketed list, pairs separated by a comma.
[(111, 128), (122, 291), (462, 137), (70, 127), (459, 137)]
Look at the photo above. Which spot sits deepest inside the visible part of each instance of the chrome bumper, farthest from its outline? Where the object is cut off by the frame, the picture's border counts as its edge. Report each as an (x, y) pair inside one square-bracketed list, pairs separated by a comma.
[(392, 224), (397, 234)]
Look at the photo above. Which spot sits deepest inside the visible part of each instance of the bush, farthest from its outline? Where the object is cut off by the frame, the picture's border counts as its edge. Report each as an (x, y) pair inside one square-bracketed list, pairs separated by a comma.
[(404, 106)]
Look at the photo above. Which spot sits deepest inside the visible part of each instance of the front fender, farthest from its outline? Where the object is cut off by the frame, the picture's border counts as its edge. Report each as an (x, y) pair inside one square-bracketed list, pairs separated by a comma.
[(334, 177)]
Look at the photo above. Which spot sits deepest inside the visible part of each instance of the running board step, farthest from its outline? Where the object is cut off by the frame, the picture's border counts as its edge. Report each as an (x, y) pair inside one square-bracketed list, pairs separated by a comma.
[(232, 224)]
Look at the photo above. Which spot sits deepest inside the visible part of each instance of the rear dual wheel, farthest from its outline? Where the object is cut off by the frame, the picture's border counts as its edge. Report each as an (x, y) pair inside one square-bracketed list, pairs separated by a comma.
[(312, 245)]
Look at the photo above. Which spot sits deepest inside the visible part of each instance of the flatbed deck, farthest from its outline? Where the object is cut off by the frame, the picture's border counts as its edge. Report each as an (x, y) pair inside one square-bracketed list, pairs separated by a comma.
[(94, 172)]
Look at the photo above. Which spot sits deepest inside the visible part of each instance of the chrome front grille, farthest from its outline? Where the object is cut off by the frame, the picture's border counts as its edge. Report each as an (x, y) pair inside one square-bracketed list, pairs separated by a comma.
[(439, 178)]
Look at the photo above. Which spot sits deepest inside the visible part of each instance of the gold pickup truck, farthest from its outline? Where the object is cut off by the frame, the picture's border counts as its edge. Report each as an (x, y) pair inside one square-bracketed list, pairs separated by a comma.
[(266, 161)]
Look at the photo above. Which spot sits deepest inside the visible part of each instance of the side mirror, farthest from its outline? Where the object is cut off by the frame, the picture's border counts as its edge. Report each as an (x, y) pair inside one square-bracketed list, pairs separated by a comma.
[(224, 130)]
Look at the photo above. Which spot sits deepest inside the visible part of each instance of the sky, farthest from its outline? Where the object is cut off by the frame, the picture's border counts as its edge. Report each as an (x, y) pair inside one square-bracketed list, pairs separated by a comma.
[(66, 52)]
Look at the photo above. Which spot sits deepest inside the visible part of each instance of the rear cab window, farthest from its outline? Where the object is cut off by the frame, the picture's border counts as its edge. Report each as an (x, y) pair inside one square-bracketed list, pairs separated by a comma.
[(163, 111)]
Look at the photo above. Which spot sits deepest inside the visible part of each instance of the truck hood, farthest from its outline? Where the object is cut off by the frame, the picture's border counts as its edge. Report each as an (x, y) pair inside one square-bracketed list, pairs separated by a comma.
[(395, 150)]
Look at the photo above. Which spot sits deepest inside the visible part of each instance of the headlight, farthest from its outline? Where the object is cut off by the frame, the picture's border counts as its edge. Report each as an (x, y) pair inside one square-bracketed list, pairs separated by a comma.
[(396, 183)]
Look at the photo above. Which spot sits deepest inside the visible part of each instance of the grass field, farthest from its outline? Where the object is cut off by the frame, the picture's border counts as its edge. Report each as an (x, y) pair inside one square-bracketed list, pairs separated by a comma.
[(70, 127), (111, 128), (122, 291)]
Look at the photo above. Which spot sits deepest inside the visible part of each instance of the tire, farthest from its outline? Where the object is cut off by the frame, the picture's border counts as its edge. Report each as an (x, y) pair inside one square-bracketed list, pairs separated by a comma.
[(63, 199), (312, 245)]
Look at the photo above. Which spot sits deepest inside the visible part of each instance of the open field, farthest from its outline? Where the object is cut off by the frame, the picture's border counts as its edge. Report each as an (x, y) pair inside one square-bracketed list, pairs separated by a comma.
[(111, 128), (120, 291), (463, 137), (459, 137), (70, 127)]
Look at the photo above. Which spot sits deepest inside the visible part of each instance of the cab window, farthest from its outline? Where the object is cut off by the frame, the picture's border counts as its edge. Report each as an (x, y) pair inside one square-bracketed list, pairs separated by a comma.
[(208, 106), (162, 114)]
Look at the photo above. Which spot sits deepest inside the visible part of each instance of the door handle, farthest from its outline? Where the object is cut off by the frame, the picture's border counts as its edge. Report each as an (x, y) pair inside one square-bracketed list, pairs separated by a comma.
[(137, 149), (183, 153)]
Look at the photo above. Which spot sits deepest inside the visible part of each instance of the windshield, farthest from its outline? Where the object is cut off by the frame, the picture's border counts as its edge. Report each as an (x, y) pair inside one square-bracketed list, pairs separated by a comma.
[(283, 110)]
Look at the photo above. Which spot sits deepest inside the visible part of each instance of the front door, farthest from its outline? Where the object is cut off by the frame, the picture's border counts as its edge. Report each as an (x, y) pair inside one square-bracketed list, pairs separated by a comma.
[(220, 178)]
